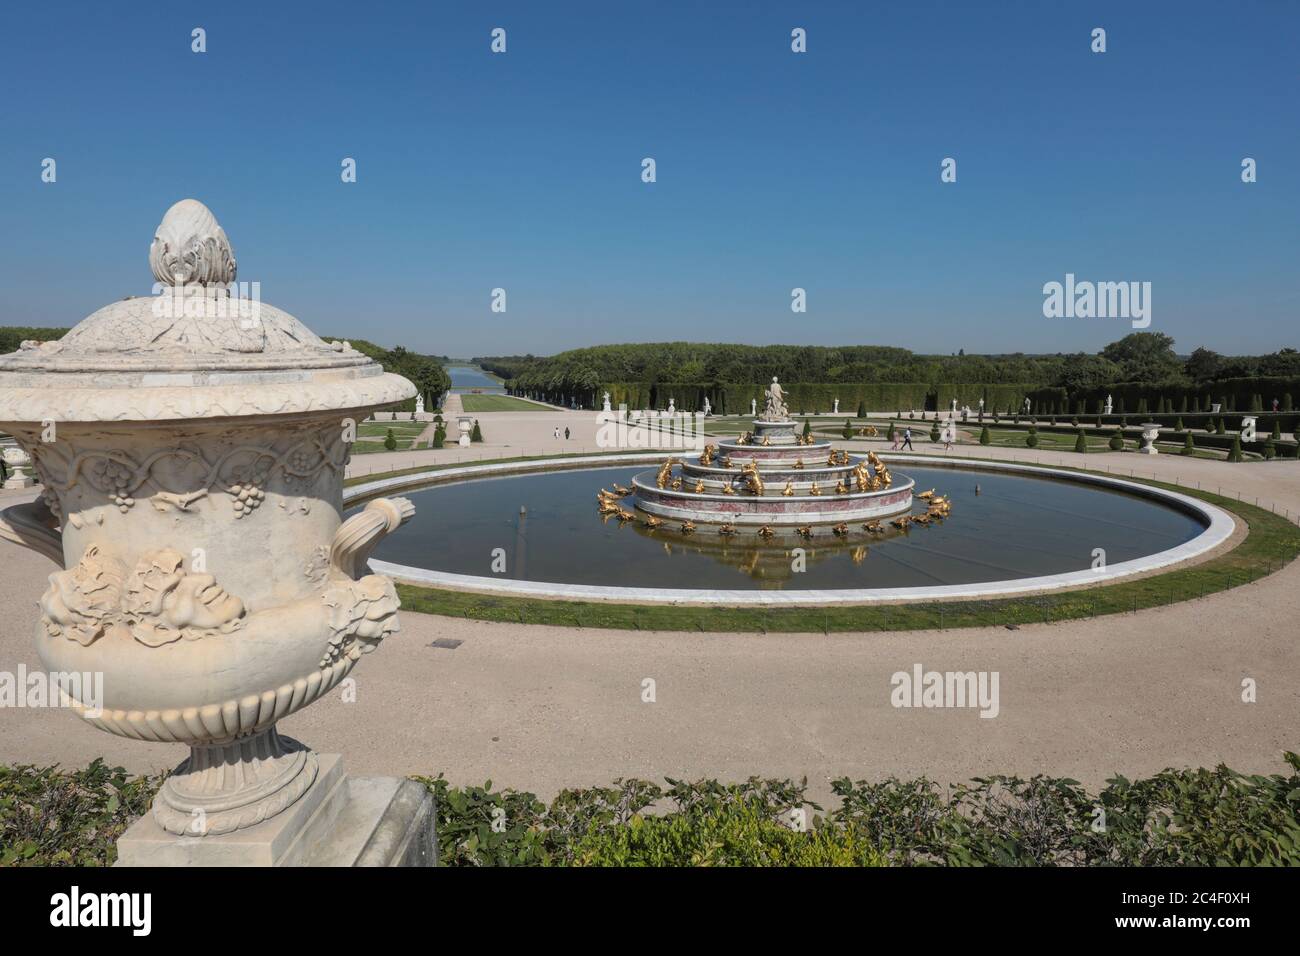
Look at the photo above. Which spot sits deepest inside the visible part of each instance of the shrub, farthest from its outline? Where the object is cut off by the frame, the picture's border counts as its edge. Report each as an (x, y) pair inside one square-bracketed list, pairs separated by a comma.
[(439, 436), (847, 431), (1178, 427), (1117, 441), (1277, 429), (862, 409), (1189, 446), (1031, 440), (55, 817), (1223, 428), (1200, 817), (934, 432), (807, 428), (1235, 454), (1081, 443), (889, 434), (390, 441), (477, 433), (984, 435)]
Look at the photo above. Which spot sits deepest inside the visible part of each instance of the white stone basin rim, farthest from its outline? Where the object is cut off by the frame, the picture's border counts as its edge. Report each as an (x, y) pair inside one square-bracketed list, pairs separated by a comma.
[(1219, 528)]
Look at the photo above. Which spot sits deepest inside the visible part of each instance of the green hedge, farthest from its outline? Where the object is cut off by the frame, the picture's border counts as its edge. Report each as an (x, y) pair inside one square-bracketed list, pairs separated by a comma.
[(1218, 817)]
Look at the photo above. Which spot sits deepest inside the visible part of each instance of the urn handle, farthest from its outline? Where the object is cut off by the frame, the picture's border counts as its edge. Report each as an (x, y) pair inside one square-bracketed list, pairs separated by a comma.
[(357, 537), (32, 525)]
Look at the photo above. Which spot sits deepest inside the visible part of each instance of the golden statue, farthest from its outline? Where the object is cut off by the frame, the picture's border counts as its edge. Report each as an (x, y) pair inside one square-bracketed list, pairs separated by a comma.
[(861, 476), (742, 438), (651, 521), (873, 527), (789, 488), (841, 488), (902, 522), (798, 463), (926, 495), (766, 531), (621, 491), (677, 484), (805, 531), (727, 489), (752, 480), (841, 529), (727, 528), (624, 515), (688, 527), (665, 470), (767, 439), (814, 490), (699, 486), (706, 456)]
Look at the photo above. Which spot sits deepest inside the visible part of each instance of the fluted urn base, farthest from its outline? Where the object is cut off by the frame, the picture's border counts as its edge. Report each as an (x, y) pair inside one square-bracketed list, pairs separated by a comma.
[(240, 783)]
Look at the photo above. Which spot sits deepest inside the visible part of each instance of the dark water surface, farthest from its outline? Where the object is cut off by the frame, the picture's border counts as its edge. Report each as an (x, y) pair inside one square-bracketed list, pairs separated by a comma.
[(1014, 527)]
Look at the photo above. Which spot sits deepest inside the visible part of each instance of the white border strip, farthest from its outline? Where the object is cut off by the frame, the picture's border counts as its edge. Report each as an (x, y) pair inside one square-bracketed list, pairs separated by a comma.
[(1220, 528)]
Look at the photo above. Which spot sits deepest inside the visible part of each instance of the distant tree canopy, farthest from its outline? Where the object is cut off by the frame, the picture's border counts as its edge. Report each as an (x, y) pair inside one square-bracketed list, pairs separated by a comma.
[(1146, 358)]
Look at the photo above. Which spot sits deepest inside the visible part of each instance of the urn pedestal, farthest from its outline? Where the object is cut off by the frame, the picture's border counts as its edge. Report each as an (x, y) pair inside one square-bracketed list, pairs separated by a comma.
[(191, 448)]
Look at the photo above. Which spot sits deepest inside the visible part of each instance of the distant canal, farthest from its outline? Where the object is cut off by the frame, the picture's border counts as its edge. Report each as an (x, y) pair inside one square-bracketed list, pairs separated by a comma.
[(467, 377)]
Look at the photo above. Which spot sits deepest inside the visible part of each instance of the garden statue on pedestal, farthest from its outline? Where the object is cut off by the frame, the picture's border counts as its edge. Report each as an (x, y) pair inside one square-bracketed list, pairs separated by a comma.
[(774, 407)]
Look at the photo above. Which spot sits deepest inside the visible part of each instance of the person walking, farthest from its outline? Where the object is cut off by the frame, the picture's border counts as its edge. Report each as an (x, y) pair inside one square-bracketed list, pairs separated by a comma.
[(907, 439), (566, 433), (898, 437), (555, 432)]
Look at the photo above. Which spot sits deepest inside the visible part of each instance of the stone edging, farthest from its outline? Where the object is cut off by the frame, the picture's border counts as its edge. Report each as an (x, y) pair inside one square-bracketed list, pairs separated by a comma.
[(1220, 528)]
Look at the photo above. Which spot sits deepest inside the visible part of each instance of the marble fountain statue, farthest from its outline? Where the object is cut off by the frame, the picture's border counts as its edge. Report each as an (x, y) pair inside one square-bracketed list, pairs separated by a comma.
[(772, 476), (191, 454)]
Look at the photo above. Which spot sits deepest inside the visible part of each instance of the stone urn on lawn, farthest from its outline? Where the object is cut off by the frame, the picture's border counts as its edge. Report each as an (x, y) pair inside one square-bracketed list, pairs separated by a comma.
[(191, 446)]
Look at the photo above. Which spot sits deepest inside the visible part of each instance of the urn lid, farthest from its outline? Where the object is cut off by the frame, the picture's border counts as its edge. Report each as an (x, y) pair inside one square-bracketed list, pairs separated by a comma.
[(203, 346)]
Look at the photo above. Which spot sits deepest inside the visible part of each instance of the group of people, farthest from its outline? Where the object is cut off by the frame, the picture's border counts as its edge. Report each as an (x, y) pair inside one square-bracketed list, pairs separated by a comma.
[(557, 433)]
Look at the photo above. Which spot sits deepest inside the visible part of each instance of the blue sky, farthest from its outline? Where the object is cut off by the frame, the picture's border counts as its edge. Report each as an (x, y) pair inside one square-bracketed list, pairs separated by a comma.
[(775, 170)]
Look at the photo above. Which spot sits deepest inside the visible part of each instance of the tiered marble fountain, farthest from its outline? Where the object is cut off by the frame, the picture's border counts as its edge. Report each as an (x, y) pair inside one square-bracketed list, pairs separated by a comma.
[(773, 477)]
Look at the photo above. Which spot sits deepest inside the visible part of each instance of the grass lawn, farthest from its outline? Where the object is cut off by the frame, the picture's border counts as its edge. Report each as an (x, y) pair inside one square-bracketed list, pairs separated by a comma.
[(498, 403)]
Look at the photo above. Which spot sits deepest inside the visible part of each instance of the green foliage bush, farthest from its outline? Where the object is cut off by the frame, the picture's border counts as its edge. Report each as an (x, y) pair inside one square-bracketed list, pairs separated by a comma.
[(439, 436), (1031, 439), (1202, 817), (862, 410), (847, 430), (1117, 441), (1081, 443), (1235, 453), (934, 431), (54, 817), (477, 433), (984, 435), (390, 441), (1189, 446)]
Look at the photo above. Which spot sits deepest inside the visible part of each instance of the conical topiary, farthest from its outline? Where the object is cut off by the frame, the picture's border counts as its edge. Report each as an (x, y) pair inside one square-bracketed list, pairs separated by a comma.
[(390, 441), (476, 434), (1031, 440), (1081, 443), (1235, 454), (984, 435), (1189, 446)]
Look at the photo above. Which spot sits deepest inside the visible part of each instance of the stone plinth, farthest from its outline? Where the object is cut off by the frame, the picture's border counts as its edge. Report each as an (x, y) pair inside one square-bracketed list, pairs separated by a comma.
[(340, 821), (780, 433)]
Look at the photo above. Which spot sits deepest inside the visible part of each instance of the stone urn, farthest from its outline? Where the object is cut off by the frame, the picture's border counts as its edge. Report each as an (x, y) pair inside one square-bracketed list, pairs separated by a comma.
[(1150, 432), (16, 460), (191, 446)]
